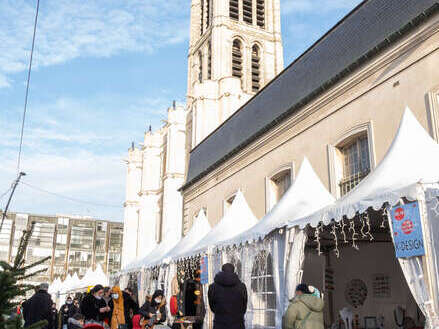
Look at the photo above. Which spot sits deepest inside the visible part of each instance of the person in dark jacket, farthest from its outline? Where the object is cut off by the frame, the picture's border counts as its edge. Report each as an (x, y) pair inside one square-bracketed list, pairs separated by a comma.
[(76, 321), (155, 310), (55, 324), (67, 311), (130, 307), (91, 306), (228, 299), (38, 307), (106, 301)]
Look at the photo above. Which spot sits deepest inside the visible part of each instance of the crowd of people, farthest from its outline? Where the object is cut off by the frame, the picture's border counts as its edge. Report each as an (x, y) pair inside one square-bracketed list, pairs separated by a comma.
[(113, 308), (101, 308)]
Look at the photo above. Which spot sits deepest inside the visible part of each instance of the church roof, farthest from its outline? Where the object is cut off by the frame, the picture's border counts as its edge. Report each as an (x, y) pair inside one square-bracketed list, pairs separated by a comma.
[(364, 32)]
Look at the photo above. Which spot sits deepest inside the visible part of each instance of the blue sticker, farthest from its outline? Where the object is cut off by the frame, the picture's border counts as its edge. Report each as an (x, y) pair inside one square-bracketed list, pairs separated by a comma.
[(204, 270), (407, 230)]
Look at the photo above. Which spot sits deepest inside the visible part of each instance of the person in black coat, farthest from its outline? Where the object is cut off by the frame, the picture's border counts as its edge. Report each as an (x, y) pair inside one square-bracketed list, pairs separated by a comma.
[(91, 306), (38, 307), (55, 323), (106, 301), (130, 307), (156, 307), (76, 321), (228, 299), (67, 311)]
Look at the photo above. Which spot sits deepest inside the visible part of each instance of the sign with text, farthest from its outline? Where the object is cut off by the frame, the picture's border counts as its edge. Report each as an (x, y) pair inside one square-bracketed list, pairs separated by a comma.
[(407, 230), (204, 266)]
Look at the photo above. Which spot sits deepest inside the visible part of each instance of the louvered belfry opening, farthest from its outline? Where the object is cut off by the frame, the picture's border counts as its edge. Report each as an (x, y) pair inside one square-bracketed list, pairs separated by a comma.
[(209, 61), (260, 13), (247, 11), (237, 59), (208, 13), (202, 18), (256, 66), (200, 67), (234, 9)]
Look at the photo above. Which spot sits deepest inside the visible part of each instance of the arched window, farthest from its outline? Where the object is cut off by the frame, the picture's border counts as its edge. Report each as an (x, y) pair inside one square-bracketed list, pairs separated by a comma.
[(200, 67), (355, 160), (277, 185), (209, 61), (247, 11), (234, 9), (260, 13), (263, 293), (237, 58), (256, 66)]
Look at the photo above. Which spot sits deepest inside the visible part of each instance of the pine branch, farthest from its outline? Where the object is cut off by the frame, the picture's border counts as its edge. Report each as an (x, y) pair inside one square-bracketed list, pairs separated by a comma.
[(41, 261), (13, 287)]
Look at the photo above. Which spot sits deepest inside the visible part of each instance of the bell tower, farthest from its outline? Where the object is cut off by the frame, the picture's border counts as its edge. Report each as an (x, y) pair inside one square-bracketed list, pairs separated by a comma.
[(235, 49)]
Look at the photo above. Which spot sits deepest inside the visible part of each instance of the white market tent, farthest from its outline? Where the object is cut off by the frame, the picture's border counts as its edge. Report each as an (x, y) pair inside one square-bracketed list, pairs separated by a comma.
[(412, 158), (76, 283), (306, 195), (158, 253), (55, 286), (88, 278), (100, 277), (198, 231), (408, 170), (66, 284), (237, 219)]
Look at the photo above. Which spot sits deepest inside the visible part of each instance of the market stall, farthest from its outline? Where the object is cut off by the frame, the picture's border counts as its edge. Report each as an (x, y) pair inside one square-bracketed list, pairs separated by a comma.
[(198, 257), (363, 276), (262, 248)]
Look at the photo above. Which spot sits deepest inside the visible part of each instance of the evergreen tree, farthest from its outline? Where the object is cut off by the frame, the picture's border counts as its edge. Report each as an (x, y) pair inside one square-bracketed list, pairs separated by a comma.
[(12, 286)]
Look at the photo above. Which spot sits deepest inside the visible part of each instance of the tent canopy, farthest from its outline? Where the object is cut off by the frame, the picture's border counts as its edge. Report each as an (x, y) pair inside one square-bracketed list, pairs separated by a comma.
[(306, 195), (158, 253), (411, 159), (237, 219), (197, 232)]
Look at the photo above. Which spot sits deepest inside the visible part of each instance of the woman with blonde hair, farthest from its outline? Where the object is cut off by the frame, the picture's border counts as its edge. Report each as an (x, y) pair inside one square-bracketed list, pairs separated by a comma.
[(118, 317)]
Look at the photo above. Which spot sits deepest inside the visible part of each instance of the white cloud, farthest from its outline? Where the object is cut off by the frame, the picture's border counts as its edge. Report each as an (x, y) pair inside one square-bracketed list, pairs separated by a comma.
[(4, 81), (69, 29), (75, 148), (80, 175)]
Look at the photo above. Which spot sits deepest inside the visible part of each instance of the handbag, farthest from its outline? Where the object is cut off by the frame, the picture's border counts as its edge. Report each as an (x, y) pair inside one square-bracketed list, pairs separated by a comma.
[(173, 305)]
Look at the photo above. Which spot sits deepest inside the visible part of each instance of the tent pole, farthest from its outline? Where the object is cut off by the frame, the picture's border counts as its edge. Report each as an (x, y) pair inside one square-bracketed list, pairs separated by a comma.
[(428, 262), (328, 292)]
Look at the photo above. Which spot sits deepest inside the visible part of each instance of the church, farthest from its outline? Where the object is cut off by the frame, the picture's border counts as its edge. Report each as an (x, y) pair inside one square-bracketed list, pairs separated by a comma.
[(249, 123), (235, 49)]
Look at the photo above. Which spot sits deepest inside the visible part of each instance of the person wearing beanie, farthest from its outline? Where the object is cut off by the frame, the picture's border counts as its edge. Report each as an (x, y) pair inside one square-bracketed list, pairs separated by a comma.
[(39, 307), (228, 299), (305, 310)]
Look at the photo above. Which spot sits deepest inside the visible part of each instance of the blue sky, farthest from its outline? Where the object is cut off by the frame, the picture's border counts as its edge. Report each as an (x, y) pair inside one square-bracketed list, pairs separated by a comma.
[(103, 71)]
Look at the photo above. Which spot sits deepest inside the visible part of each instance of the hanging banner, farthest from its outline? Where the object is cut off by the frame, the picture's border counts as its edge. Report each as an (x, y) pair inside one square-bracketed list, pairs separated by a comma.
[(204, 270), (407, 230)]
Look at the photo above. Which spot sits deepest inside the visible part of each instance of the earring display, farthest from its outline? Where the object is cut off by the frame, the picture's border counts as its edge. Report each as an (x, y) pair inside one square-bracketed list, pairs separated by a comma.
[(381, 286)]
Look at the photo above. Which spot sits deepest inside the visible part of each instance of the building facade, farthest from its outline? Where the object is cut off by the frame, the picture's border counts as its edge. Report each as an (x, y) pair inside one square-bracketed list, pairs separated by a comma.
[(339, 104), (155, 172), (74, 244)]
